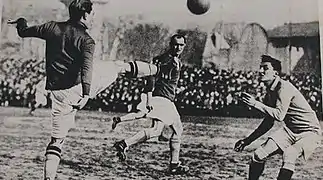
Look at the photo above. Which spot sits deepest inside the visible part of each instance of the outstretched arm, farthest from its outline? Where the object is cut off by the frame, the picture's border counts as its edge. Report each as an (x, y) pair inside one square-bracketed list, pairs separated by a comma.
[(284, 97), (263, 128), (42, 31)]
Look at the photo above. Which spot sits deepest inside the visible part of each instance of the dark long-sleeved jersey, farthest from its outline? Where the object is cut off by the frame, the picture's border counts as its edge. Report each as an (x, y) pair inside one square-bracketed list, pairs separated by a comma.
[(164, 83), (69, 52)]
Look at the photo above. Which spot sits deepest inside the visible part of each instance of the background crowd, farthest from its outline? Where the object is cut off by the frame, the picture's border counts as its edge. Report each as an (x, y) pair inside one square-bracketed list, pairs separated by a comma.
[(201, 91)]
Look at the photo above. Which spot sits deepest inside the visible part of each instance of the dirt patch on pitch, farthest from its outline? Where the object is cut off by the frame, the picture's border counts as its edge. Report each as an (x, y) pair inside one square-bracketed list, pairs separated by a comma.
[(88, 152)]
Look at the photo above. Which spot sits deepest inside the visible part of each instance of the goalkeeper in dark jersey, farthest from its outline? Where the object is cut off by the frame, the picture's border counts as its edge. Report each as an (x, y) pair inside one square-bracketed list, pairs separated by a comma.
[(69, 64)]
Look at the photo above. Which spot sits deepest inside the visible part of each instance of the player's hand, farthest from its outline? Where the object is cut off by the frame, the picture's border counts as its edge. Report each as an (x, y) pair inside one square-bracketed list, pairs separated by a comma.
[(149, 107), (240, 145), (248, 99), (10, 21), (81, 102)]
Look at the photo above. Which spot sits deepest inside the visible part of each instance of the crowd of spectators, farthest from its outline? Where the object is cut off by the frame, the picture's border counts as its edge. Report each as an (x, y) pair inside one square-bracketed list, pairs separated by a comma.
[(207, 91), (18, 80), (218, 91)]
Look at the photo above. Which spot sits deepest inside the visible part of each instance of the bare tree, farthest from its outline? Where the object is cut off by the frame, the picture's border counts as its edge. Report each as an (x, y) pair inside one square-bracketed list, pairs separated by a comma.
[(144, 41)]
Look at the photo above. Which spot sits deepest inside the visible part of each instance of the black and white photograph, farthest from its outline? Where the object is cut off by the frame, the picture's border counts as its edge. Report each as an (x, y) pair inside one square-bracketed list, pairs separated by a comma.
[(161, 89)]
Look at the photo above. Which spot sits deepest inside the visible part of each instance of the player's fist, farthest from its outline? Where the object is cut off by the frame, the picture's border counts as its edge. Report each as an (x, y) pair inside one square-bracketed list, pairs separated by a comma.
[(18, 21), (248, 99), (82, 102), (240, 145), (10, 21), (149, 108)]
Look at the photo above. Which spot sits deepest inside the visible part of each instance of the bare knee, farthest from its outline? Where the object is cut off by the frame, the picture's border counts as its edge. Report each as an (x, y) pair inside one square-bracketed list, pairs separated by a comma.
[(259, 155), (289, 158), (265, 150)]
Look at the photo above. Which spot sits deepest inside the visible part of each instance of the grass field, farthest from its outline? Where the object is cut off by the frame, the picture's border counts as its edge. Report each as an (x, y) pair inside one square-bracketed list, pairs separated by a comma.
[(207, 148)]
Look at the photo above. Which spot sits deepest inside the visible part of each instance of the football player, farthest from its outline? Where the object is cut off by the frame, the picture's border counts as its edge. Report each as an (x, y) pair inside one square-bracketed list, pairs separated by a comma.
[(163, 110), (140, 113), (300, 131), (69, 66)]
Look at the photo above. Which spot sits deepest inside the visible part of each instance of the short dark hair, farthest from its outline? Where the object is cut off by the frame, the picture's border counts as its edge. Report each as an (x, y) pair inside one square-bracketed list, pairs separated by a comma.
[(274, 62), (177, 36), (78, 8)]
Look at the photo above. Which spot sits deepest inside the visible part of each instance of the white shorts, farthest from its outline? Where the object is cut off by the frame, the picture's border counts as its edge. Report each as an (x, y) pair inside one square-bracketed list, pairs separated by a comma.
[(165, 111), (41, 93), (307, 142), (63, 114)]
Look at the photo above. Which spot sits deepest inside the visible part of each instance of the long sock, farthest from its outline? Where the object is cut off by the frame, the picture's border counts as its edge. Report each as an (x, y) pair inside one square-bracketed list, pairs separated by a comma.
[(255, 170), (139, 137), (174, 145), (285, 174), (51, 165), (132, 116)]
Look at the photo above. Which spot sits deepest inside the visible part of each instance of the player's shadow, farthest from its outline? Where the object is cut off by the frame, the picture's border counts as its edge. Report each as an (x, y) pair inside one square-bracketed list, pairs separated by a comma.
[(86, 166), (87, 163)]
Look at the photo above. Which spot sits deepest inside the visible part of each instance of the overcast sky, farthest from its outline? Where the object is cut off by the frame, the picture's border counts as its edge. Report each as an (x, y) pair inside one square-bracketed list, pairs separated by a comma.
[(268, 13)]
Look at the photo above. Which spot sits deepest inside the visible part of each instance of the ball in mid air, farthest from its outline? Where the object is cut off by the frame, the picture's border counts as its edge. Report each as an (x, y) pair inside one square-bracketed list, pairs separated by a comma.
[(198, 7)]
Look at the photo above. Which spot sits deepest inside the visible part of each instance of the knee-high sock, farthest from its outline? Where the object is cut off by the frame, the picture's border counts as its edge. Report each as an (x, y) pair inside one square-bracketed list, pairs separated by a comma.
[(132, 116), (285, 174), (53, 156), (139, 137), (255, 170), (174, 145), (51, 165)]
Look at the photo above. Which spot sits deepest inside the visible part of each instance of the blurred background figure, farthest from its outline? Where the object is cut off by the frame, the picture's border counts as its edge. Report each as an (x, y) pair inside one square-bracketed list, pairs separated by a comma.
[(41, 96)]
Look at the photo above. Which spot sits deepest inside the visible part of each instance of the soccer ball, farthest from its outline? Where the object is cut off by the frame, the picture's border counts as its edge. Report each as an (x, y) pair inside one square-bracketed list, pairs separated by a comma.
[(198, 7)]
